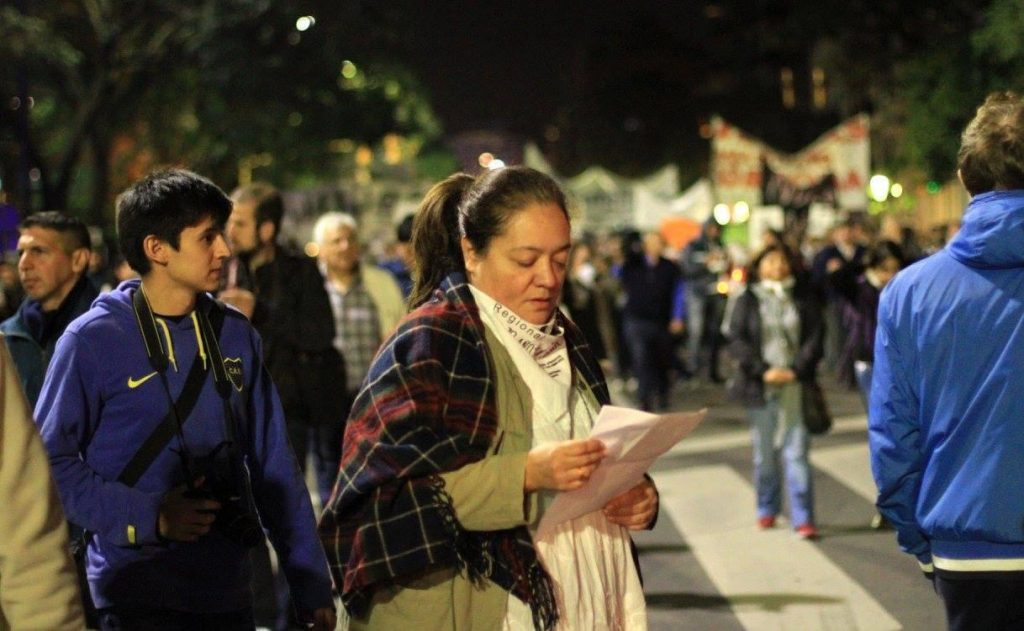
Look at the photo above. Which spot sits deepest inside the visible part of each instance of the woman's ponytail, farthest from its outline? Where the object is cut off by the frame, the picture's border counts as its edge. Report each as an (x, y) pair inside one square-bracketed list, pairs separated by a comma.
[(436, 238)]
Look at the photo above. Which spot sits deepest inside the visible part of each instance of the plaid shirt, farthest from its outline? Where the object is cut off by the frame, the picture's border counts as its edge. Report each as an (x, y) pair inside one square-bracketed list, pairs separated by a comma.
[(356, 329), (428, 406)]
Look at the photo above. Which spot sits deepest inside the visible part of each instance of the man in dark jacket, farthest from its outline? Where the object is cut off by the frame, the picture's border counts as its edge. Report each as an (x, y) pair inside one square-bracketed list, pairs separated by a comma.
[(844, 250), (283, 294), (652, 314), (53, 251), (704, 260)]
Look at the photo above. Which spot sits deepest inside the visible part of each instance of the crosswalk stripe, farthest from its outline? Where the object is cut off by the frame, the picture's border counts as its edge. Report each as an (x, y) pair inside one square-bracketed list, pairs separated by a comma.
[(772, 580), (850, 465), (734, 439)]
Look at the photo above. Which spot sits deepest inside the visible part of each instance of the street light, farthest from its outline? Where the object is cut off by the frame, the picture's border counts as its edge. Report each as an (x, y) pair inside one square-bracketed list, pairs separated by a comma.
[(741, 212), (878, 187), (721, 213)]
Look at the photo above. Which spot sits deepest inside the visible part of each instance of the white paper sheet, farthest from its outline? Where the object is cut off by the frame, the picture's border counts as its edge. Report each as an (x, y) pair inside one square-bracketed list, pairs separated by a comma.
[(634, 440)]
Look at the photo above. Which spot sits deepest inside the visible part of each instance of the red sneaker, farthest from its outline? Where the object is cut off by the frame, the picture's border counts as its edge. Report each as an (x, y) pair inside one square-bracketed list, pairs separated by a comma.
[(764, 523), (807, 531)]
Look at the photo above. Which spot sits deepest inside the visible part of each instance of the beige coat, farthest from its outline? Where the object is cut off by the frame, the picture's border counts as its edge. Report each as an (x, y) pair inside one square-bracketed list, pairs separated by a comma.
[(38, 583), (386, 296), (487, 495)]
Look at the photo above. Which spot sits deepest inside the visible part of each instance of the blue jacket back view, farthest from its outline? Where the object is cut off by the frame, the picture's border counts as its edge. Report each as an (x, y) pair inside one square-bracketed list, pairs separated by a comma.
[(946, 415)]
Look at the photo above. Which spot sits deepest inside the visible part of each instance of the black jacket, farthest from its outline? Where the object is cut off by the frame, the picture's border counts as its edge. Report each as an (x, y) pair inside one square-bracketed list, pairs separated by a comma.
[(293, 316), (747, 386), (649, 289)]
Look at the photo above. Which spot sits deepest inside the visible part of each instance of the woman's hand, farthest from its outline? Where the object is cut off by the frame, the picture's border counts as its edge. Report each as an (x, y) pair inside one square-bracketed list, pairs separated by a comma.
[(634, 509), (563, 466)]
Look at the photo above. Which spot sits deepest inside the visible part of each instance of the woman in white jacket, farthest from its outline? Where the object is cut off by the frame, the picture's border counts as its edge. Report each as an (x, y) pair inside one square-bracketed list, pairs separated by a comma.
[(38, 585)]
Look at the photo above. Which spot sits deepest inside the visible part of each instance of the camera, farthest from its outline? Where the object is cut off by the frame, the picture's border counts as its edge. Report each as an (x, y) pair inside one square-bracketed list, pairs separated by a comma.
[(223, 481)]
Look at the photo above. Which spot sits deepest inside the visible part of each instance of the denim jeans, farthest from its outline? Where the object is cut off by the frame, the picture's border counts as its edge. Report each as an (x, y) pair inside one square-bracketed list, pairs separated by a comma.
[(650, 349), (790, 442)]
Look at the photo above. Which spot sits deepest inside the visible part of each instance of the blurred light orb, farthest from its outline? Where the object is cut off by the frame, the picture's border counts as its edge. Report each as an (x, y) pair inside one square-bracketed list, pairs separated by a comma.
[(721, 214), (311, 249), (897, 190), (741, 212), (495, 164), (878, 187), (348, 69), (304, 23), (485, 159)]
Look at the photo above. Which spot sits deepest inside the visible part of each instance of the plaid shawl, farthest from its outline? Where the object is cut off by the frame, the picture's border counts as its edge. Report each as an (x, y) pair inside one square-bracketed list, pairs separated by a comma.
[(428, 406)]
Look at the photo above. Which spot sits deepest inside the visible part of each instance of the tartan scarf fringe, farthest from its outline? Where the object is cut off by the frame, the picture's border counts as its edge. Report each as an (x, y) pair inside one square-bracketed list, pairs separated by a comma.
[(475, 558)]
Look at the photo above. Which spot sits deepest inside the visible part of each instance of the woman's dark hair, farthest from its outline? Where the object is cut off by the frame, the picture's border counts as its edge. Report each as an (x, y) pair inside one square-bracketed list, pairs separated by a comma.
[(475, 208), (991, 155), (879, 252), (752, 271)]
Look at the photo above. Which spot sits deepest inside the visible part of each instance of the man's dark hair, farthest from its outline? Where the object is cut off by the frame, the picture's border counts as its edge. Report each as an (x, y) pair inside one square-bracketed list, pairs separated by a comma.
[(879, 252), (268, 201), (403, 232), (163, 204), (74, 234), (991, 153)]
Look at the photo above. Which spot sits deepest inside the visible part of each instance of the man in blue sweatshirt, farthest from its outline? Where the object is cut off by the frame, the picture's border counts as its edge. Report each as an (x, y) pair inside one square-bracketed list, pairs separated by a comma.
[(162, 554), (945, 426)]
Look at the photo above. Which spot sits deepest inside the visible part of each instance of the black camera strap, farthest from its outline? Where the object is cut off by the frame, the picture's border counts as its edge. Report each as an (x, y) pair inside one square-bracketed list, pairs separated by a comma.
[(224, 386), (180, 410)]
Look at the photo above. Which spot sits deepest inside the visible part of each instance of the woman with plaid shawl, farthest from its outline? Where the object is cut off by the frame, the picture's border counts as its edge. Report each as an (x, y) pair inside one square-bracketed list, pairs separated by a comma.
[(475, 412)]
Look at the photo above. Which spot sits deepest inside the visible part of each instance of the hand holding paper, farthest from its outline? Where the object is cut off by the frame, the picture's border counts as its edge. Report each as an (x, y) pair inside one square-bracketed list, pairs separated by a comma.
[(633, 440), (563, 466), (634, 508)]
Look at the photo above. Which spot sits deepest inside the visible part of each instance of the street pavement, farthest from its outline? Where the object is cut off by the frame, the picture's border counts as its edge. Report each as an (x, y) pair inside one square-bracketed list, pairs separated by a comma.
[(706, 565)]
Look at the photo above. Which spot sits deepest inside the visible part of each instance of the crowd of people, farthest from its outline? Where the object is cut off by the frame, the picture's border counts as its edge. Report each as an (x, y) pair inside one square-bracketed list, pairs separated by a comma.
[(443, 397)]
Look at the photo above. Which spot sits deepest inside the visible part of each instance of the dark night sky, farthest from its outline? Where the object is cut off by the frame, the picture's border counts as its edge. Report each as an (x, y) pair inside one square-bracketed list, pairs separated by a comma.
[(625, 83)]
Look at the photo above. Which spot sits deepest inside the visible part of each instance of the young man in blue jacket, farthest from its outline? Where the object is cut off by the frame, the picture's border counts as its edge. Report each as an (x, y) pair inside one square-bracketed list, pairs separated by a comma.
[(163, 553), (945, 424)]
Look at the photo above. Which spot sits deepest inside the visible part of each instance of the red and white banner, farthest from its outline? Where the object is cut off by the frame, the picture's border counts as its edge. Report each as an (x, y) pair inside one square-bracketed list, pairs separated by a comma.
[(844, 152)]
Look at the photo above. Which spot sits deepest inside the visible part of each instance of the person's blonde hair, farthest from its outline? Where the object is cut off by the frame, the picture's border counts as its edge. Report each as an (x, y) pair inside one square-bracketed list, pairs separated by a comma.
[(991, 155)]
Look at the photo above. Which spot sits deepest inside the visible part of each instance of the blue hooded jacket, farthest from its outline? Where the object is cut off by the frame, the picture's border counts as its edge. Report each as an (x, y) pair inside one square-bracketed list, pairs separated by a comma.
[(100, 401), (945, 418)]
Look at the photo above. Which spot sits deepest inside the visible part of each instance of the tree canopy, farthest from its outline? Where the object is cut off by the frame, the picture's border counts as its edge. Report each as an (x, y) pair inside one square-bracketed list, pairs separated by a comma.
[(106, 90)]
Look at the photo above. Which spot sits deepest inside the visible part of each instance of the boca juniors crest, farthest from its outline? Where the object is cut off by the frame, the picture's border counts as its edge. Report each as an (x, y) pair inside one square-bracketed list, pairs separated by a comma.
[(233, 368)]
